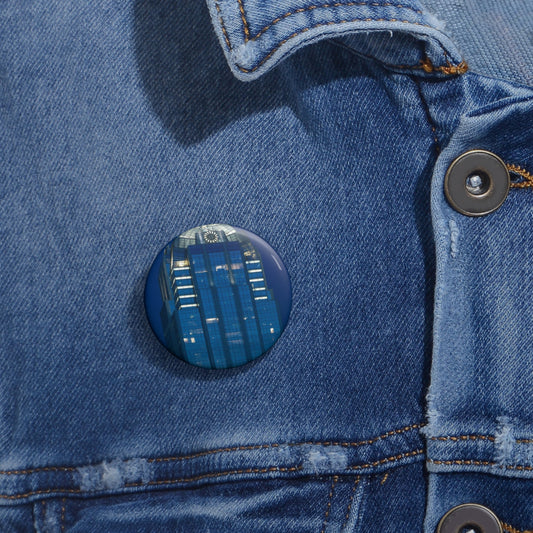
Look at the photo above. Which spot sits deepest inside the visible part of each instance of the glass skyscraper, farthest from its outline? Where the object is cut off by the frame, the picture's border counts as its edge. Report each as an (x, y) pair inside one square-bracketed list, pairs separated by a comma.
[(218, 311)]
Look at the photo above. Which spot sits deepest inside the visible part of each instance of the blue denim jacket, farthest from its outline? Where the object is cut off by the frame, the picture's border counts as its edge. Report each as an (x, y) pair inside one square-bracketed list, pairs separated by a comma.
[(402, 384)]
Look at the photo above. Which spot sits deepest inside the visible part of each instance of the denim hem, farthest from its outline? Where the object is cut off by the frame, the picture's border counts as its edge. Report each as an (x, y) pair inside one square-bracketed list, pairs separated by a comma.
[(274, 460), (257, 37), (498, 454)]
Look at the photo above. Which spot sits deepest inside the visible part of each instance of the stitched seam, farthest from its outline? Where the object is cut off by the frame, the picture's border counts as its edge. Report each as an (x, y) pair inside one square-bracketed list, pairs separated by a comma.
[(226, 38), (429, 118), (40, 469), (386, 460), (465, 437), (461, 462), (235, 448), (427, 66), (328, 6), (476, 462), (62, 520), (518, 467), (424, 64), (458, 438), (31, 493), (528, 177), (244, 22), (328, 507), (294, 444), (216, 475), (349, 508), (163, 482), (385, 477), (219, 474), (511, 529), (449, 68)]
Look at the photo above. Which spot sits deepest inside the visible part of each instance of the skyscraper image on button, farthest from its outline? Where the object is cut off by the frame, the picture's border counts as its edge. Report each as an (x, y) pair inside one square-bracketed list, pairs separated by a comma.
[(218, 296)]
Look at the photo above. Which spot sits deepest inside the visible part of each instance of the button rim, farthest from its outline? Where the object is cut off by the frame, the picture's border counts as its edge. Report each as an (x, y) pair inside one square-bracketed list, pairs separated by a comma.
[(457, 194), (493, 525)]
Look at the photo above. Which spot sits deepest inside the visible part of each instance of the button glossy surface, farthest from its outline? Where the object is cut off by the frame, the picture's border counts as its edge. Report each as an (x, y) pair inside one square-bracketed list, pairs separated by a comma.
[(469, 516), (477, 183), (218, 296)]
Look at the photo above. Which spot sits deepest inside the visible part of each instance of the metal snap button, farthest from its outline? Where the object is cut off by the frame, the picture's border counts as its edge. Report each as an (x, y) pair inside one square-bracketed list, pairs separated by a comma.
[(469, 517), (217, 296), (477, 183)]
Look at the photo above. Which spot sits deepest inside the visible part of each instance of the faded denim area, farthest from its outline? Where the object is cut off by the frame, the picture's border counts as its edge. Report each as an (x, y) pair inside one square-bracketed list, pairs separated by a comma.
[(495, 36), (380, 406)]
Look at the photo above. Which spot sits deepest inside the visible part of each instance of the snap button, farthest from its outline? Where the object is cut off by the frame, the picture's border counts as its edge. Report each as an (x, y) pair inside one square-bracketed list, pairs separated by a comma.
[(469, 517), (477, 183), (217, 296)]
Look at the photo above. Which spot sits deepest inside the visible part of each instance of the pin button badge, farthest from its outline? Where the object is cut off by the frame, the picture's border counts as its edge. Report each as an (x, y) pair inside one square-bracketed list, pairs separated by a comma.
[(218, 296)]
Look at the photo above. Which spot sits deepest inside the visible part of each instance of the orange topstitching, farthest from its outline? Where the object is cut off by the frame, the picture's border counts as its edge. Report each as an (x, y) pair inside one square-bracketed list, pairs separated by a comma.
[(425, 64), (512, 529), (528, 177), (233, 449), (350, 502), (328, 507), (217, 475)]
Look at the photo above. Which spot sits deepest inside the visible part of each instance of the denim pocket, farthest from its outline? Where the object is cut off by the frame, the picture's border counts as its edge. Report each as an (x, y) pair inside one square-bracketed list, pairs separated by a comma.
[(320, 504), (287, 506)]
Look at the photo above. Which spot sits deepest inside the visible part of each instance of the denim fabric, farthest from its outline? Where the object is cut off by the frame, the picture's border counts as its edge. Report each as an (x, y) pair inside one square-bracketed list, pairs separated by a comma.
[(479, 401), (401, 384), (345, 503), (257, 35), (494, 35)]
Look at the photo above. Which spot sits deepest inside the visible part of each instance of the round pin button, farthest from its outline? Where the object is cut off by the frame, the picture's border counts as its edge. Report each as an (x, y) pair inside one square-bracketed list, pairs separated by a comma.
[(477, 183), (469, 517), (218, 296)]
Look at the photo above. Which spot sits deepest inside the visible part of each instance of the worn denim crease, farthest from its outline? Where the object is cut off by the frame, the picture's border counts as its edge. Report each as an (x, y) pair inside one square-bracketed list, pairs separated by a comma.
[(320, 453)]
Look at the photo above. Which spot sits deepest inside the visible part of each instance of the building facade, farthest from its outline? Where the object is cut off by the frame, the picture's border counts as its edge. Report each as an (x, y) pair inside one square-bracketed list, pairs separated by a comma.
[(218, 311)]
